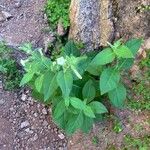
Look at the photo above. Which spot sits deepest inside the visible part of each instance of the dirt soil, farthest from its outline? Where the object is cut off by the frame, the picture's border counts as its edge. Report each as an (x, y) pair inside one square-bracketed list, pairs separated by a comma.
[(26, 124), (26, 23), (103, 136)]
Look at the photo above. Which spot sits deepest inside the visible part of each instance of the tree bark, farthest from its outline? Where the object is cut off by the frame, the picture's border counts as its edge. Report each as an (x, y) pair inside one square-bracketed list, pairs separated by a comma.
[(91, 22)]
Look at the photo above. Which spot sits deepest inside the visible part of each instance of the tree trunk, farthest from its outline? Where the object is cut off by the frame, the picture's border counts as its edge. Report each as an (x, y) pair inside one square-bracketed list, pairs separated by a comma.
[(91, 22)]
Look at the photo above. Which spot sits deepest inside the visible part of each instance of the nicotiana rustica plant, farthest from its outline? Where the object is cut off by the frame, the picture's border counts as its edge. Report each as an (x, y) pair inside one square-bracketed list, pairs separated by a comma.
[(74, 84)]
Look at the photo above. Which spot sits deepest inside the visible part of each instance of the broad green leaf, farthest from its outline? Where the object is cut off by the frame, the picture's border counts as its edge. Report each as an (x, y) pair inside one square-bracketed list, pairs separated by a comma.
[(94, 69), (39, 83), (74, 122), (71, 49), (87, 124), (118, 96), (60, 121), (134, 45), (123, 52), (125, 63), (89, 91), (78, 65), (65, 81), (26, 78), (109, 80), (49, 85), (76, 91), (38, 96), (59, 109), (98, 108), (77, 103), (46, 61), (104, 57), (89, 112)]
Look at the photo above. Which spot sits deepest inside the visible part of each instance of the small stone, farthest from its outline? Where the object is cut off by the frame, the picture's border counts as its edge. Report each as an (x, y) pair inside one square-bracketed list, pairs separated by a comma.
[(61, 136), (147, 44), (35, 137), (23, 97), (2, 101), (18, 3), (45, 123), (44, 111), (1, 17), (29, 131), (35, 114), (6, 15), (25, 124)]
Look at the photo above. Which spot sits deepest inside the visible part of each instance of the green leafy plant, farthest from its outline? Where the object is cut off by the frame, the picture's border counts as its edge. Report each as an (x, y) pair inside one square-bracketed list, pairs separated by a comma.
[(141, 143), (58, 10), (74, 84), (8, 68), (117, 127), (140, 99), (95, 140), (143, 8)]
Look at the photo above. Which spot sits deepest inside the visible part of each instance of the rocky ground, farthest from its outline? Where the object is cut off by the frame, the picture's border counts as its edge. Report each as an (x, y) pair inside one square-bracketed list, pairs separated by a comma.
[(22, 21), (26, 124)]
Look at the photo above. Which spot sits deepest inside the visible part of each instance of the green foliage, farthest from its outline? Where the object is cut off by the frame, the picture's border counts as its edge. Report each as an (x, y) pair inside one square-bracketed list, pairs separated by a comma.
[(109, 80), (118, 95), (142, 99), (140, 95), (57, 10), (8, 68), (141, 143), (69, 85), (95, 140), (143, 8), (117, 127)]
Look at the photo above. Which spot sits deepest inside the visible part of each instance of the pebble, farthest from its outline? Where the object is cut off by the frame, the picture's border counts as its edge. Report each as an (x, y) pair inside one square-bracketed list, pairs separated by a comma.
[(18, 3), (35, 137), (61, 136), (28, 130), (2, 101), (44, 111), (23, 97), (35, 114), (6, 15), (45, 123), (25, 124), (1, 17)]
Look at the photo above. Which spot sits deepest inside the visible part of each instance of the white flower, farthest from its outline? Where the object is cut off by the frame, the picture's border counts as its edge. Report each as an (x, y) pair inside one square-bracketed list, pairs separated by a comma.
[(23, 62), (61, 61)]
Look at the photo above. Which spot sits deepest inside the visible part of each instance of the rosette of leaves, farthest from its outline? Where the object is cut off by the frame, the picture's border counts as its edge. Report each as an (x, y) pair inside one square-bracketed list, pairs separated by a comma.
[(74, 84)]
